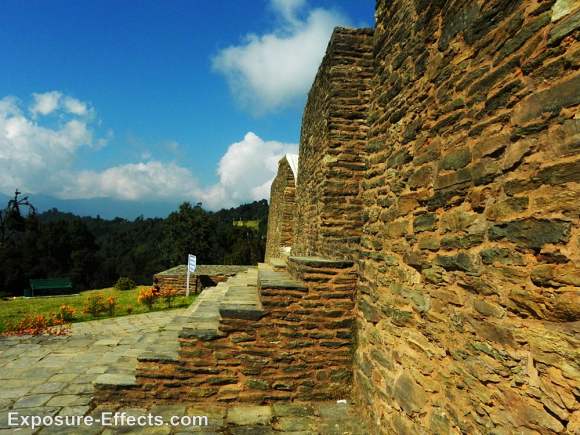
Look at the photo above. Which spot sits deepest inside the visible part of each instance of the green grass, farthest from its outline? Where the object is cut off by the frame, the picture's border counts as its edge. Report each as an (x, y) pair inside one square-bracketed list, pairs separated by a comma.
[(11, 311)]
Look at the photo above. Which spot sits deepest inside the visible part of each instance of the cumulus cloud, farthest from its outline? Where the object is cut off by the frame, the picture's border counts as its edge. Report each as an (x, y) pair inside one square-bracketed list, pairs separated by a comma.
[(45, 103), (50, 102), (246, 171), (275, 69), (74, 106), (30, 152), (288, 9), (133, 181), (38, 158)]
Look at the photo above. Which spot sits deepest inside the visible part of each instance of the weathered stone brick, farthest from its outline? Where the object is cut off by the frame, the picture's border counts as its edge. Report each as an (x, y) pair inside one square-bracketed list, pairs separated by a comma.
[(552, 100), (425, 222), (462, 262), (456, 159), (532, 233), (501, 255), (564, 28), (559, 173)]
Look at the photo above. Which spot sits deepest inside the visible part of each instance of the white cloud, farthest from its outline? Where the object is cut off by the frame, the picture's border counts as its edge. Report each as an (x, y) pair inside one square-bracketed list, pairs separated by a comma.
[(288, 9), (50, 102), (30, 152), (246, 171), (74, 106), (133, 181), (45, 103), (275, 69), (36, 158)]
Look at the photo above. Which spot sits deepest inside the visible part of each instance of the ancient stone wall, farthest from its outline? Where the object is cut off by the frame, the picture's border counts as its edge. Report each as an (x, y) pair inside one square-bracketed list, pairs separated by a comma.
[(282, 209), (329, 215), (468, 296), (295, 344)]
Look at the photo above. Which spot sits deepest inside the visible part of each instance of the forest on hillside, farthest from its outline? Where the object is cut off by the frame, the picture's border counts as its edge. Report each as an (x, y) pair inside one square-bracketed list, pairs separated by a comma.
[(95, 252)]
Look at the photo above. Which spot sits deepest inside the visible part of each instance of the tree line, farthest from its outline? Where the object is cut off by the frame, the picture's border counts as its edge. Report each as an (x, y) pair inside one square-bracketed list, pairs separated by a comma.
[(95, 252)]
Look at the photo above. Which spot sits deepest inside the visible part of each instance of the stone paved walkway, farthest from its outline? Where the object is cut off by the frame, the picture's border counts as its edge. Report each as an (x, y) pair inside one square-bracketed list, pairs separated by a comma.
[(54, 375)]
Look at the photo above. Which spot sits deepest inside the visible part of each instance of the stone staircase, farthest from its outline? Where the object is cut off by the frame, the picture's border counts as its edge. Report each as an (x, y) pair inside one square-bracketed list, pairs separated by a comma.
[(238, 296), (276, 332)]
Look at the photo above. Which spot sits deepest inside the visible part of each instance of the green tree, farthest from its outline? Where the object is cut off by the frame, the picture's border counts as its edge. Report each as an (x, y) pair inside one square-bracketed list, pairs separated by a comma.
[(188, 231)]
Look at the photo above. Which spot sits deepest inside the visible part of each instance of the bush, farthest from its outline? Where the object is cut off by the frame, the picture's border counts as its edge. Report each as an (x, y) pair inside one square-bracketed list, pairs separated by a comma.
[(125, 283), (110, 305), (168, 295), (95, 305), (66, 313), (148, 296), (129, 309), (37, 324)]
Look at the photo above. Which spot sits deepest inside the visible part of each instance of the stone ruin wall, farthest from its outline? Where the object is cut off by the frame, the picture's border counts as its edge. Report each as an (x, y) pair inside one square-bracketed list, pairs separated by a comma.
[(468, 302), (462, 210), (298, 347), (281, 211), (334, 130)]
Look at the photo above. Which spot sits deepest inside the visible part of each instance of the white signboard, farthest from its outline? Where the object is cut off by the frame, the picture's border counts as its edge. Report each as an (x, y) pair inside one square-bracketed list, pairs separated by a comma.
[(191, 265), (191, 262)]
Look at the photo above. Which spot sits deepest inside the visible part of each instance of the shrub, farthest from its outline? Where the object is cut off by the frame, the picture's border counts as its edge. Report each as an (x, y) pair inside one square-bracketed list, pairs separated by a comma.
[(129, 309), (37, 324), (95, 305), (66, 313), (148, 296), (110, 305), (168, 295), (125, 283)]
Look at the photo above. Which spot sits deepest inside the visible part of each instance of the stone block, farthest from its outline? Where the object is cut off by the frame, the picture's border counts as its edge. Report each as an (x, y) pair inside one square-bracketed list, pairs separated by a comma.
[(249, 415), (532, 233)]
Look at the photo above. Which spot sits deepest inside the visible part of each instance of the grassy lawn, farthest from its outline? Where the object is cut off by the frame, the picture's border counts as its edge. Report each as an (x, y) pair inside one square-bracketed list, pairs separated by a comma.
[(11, 311)]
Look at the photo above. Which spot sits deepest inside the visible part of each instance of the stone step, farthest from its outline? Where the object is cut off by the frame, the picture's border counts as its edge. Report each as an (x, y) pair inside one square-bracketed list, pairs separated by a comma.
[(201, 319), (242, 302), (269, 278), (278, 264), (237, 297)]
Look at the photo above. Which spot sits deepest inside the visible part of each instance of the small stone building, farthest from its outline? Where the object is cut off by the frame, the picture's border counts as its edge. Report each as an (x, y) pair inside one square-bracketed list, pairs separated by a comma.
[(205, 275)]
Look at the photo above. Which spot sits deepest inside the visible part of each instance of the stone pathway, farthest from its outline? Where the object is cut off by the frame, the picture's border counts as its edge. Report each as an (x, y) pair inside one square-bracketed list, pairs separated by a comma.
[(55, 375)]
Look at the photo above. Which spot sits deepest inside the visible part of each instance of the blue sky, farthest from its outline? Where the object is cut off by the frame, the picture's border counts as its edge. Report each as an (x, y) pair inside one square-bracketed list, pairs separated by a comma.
[(155, 102)]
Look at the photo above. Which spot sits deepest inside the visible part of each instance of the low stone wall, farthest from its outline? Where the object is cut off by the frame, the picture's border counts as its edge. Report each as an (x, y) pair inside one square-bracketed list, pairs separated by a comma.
[(204, 276), (289, 339)]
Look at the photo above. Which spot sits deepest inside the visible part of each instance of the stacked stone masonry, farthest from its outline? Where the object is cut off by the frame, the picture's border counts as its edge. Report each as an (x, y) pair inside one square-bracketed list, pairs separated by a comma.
[(468, 296), (450, 174), (257, 338), (281, 211), (332, 149)]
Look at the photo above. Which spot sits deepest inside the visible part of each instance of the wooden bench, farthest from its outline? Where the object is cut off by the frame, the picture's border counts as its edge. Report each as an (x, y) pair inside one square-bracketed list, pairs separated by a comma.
[(49, 286)]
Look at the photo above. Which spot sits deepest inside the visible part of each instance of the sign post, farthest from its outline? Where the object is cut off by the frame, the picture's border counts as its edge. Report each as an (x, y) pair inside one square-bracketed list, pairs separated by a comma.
[(191, 264)]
